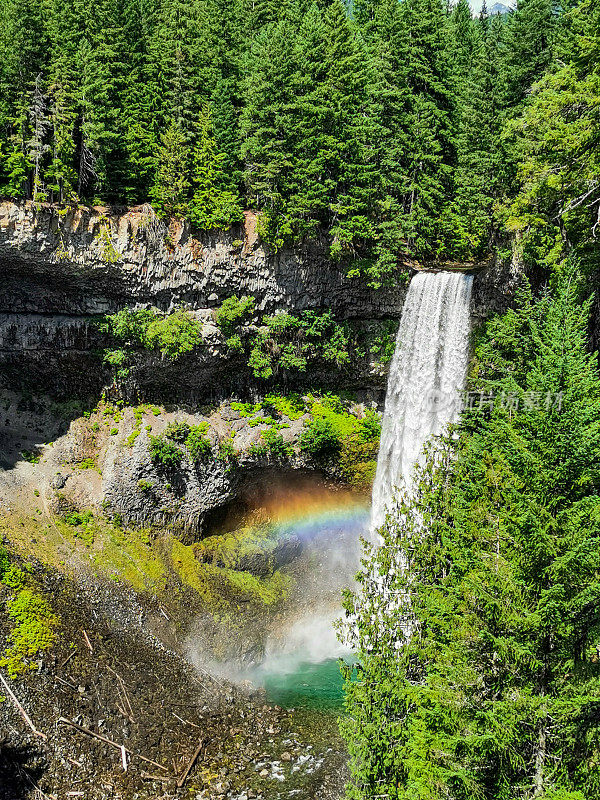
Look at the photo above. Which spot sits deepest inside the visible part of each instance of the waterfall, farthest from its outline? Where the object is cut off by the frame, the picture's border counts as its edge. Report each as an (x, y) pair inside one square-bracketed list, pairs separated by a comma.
[(426, 379)]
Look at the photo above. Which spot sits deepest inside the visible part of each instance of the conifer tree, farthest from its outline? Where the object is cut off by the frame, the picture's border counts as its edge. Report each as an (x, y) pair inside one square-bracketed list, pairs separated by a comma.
[(351, 163), (365, 11), (170, 191), (221, 50), (432, 146), (175, 61), (389, 106), (530, 41), (464, 43), (67, 30), (313, 183), (556, 135), (212, 205), (267, 126), (38, 146), (479, 174), (25, 57), (141, 100)]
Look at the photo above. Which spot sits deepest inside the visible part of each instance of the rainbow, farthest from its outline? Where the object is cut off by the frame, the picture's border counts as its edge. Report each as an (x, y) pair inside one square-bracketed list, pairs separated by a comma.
[(310, 513)]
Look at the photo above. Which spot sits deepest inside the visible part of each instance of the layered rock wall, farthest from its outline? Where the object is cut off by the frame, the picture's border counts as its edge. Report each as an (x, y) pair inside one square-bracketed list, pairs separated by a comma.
[(62, 269)]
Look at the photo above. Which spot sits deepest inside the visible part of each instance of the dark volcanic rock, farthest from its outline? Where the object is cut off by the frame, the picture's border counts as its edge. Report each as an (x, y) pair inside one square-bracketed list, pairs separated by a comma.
[(62, 270)]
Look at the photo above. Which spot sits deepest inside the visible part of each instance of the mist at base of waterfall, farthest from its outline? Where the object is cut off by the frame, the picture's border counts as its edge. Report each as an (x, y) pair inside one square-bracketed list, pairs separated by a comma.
[(299, 647), (301, 668)]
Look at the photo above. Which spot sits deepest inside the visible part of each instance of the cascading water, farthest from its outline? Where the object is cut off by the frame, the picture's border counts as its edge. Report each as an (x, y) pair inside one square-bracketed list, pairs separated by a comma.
[(426, 379), (424, 394)]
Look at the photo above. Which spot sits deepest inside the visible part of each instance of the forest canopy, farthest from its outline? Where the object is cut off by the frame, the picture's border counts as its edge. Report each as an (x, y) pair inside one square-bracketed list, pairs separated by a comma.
[(398, 129)]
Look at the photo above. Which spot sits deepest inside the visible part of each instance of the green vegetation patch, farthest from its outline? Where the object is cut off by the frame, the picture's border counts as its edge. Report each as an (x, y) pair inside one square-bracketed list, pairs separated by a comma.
[(164, 452), (272, 446), (285, 343), (34, 624), (166, 449), (333, 431), (220, 587), (172, 335), (129, 555), (197, 443), (234, 312), (238, 549)]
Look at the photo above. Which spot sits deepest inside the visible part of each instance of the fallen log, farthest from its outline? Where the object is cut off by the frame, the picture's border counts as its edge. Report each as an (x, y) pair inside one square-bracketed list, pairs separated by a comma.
[(190, 764), (101, 738), (22, 711)]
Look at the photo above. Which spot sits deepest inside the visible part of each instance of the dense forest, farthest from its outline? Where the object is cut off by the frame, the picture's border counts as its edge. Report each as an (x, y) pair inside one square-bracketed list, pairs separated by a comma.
[(477, 619), (493, 566), (400, 129)]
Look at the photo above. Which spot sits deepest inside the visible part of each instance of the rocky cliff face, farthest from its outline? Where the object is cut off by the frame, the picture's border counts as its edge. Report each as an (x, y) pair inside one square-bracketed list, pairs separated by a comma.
[(90, 261), (62, 269)]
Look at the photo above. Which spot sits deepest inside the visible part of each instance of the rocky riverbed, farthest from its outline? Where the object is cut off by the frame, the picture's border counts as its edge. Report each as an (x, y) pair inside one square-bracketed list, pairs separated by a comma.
[(112, 678)]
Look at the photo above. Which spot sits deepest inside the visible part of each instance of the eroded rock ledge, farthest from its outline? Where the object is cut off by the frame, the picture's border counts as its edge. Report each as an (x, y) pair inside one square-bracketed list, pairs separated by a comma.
[(90, 261), (61, 268)]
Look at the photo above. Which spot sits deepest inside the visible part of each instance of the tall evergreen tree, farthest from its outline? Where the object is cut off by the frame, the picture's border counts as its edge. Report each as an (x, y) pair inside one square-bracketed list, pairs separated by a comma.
[(68, 31), (267, 126), (140, 100), (556, 205), (530, 41), (212, 204), (38, 146), (365, 11), (314, 179), (479, 174), (464, 43), (170, 192), (22, 72), (389, 107), (351, 163), (175, 56), (432, 146)]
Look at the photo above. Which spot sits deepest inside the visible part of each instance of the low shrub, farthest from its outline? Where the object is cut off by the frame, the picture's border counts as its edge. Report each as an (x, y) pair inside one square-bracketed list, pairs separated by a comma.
[(291, 406), (75, 518), (31, 456), (177, 431), (164, 452), (233, 312), (228, 454), (289, 343), (320, 438), (4, 561), (197, 443), (34, 622), (174, 335), (34, 630), (276, 447), (271, 446), (234, 344)]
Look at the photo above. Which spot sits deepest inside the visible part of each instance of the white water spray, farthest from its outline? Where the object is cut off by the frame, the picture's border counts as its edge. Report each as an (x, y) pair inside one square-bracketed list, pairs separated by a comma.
[(426, 380)]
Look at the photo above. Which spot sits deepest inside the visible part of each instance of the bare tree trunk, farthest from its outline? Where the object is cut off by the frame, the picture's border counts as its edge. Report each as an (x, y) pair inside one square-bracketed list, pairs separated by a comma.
[(540, 760)]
